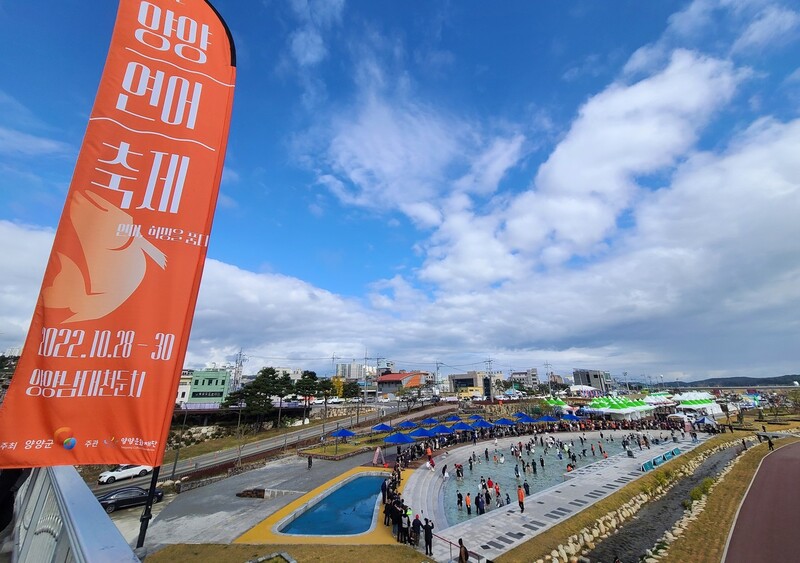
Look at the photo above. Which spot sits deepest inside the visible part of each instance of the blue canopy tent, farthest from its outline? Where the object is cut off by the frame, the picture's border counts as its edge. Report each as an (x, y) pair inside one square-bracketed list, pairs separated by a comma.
[(429, 421), (407, 424), (571, 417), (452, 418), (475, 417), (382, 427), (519, 414), (461, 426), (546, 419), (482, 424), (421, 433), (398, 438), (504, 422), (341, 433), (442, 429), (525, 419)]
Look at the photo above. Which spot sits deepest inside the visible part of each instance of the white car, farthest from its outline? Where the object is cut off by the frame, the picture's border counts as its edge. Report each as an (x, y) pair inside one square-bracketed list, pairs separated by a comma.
[(123, 472)]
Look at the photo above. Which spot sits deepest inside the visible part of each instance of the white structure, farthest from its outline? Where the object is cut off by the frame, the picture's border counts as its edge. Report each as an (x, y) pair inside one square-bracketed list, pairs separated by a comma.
[(699, 403), (294, 373), (355, 371), (184, 387)]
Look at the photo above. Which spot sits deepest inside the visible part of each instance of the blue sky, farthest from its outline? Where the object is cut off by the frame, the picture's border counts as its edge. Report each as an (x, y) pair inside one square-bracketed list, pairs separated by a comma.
[(603, 185)]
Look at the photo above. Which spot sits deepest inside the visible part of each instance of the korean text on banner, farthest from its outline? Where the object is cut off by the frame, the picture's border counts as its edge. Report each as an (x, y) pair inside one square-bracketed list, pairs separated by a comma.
[(99, 372)]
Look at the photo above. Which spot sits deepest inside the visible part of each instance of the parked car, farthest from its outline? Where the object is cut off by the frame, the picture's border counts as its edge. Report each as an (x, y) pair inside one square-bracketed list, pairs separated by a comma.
[(126, 498), (123, 472)]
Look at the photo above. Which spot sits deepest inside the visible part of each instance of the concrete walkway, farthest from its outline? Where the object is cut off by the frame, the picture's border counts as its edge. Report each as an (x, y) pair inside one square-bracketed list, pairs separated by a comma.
[(502, 529), (214, 514)]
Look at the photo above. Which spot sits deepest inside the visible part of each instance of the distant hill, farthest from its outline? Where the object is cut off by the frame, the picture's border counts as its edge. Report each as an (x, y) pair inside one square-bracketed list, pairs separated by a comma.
[(740, 381)]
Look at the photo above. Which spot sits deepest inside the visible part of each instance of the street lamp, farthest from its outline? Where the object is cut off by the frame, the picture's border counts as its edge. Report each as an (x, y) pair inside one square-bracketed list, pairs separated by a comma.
[(180, 441), (239, 436), (662, 382)]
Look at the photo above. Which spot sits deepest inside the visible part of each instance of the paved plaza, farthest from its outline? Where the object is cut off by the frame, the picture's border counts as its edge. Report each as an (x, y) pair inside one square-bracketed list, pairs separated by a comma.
[(213, 514), (504, 528)]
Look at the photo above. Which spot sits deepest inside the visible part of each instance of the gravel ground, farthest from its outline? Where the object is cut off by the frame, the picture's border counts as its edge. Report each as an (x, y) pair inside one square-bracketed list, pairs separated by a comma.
[(643, 531)]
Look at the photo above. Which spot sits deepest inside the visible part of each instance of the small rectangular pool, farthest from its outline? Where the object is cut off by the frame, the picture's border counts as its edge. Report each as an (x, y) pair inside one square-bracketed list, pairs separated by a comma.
[(346, 511)]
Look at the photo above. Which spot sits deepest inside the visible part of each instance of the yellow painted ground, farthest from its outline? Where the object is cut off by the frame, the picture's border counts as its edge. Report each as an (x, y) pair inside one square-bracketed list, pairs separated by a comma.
[(264, 533)]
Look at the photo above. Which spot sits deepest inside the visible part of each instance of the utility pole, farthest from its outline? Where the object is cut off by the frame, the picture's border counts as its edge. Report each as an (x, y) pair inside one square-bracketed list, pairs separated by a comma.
[(241, 359), (627, 385), (547, 372), (488, 362), (364, 372)]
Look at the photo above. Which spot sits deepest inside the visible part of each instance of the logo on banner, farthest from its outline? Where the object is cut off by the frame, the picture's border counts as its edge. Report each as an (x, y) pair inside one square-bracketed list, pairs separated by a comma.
[(64, 437)]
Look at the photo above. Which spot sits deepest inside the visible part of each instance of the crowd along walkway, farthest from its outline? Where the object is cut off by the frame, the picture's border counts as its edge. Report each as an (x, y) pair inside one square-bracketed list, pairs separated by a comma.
[(502, 529)]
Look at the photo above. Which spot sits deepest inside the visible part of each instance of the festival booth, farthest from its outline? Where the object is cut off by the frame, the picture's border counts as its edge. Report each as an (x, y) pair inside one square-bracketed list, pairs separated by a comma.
[(584, 391), (698, 403), (619, 408)]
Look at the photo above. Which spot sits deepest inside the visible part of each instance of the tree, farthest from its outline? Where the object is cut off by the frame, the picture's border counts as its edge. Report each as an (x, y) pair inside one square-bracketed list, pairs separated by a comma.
[(325, 388), (794, 396), (408, 396), (307, 386), (254, 399), (338, 385), (279, 385), (351, 389)]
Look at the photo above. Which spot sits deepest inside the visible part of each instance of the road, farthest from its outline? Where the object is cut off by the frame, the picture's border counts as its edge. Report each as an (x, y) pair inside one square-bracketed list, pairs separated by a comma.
[(768, 520), (287, 440)]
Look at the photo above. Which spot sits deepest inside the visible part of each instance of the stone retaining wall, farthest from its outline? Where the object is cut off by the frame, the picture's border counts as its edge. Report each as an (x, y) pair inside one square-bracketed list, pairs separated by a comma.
[(578, 545)]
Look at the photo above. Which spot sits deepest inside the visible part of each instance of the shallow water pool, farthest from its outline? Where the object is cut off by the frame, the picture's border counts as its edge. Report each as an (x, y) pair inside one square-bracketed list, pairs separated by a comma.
[(346, 511), (503, 473)]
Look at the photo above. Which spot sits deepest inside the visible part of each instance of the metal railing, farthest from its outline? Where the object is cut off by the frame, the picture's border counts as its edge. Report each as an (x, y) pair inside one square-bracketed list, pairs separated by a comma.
[(455, 548), (57, 519)]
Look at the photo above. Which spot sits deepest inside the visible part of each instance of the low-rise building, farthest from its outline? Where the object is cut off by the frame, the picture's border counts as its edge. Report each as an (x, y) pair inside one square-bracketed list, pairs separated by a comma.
[(528, 378), (393, 382), (485, 381), (593, 378), (208, 386)]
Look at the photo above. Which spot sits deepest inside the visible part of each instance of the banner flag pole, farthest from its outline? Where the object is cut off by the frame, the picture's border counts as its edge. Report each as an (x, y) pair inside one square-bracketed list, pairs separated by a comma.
[(99, 371)]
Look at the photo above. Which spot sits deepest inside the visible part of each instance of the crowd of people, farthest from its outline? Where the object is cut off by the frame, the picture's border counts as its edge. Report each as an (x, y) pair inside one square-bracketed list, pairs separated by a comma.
[(542, 446), (397, 514)]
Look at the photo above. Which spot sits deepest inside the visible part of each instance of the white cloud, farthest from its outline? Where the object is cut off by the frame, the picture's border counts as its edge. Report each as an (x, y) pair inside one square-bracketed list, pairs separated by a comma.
[(319, 13), (306, 44), (392, 156), (25, 252), (622, 133), (16, 143), (774, 25), (307, 47), (488, 168)]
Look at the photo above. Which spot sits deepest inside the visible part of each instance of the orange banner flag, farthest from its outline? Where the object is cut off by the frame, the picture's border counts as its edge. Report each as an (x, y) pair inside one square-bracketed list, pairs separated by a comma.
[(99, 372)]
